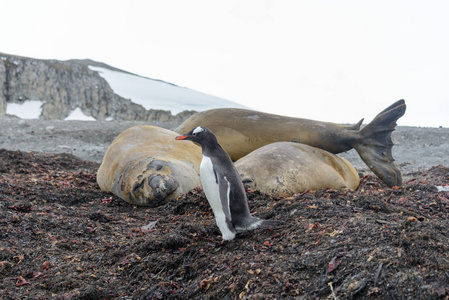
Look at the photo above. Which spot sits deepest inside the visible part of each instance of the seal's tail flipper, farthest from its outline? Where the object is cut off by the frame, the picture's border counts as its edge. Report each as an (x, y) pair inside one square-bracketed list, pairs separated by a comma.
[(375, 145), (356, 126)]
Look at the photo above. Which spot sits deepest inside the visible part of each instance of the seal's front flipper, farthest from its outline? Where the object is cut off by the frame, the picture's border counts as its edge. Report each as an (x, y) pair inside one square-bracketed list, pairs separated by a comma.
[(375, 145)]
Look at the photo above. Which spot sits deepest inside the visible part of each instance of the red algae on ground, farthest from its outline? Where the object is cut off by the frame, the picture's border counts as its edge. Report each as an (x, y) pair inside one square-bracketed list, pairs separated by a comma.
[(61, 236)]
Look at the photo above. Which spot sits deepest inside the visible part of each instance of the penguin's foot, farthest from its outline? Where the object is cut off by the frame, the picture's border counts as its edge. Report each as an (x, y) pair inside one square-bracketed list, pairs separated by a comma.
[(225, 243)]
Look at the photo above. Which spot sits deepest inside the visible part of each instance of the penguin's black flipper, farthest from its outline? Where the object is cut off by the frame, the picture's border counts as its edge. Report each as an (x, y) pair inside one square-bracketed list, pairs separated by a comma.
[(224, 191)]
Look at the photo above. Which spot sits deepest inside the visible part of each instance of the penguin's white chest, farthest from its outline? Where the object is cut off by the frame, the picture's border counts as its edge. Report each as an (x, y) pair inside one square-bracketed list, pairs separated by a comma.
[(212, 191)]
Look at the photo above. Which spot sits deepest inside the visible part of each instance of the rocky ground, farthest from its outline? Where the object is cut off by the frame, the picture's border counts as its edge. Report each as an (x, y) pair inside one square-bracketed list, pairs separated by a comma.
[(63, 238), (85, 139), (415, 149)]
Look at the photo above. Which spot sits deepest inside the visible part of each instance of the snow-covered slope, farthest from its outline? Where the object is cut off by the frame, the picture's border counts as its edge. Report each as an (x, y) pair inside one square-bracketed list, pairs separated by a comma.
[(155, 94), (150, 93)]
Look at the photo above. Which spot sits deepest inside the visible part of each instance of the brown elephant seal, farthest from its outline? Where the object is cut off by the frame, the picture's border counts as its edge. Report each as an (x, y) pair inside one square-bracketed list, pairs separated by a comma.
[(145, 166), (242, 131), (286, 168)]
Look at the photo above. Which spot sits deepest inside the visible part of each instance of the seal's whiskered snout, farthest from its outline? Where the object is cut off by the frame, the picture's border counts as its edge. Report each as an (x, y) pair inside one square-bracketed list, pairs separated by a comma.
[(146, 166)]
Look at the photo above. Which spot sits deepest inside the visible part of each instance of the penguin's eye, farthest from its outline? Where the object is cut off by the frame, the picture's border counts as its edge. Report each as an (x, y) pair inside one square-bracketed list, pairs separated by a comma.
[(194, 134)]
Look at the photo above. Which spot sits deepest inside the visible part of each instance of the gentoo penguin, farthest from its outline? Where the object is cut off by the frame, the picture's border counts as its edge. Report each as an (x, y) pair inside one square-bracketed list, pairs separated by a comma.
[(223, 188)]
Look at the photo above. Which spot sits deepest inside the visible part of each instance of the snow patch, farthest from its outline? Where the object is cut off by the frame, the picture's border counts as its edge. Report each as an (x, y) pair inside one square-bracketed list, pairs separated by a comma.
[(253, 117), (78, 115), (155, 94), (29, 109)]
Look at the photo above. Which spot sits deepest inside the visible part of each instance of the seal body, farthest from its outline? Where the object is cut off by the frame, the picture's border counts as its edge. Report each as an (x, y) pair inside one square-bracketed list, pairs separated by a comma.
[(242, 131), (223, 188), (145, 166), (286, 168)]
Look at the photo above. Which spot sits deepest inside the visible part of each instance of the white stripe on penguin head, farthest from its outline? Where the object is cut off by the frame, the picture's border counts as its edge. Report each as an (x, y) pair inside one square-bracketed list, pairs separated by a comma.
[(198, 130)]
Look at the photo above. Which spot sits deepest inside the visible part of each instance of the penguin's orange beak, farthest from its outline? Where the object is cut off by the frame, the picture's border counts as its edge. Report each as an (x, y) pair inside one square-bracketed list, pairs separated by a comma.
[(181, 137)]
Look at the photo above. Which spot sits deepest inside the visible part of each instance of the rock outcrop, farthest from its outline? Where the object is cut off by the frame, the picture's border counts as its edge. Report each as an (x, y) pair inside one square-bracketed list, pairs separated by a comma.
[(66, 85)]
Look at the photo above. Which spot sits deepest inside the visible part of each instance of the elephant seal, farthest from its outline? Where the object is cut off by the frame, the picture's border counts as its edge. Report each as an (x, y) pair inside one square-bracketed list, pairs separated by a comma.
[(241, 131), (145, 166), (285, 168)]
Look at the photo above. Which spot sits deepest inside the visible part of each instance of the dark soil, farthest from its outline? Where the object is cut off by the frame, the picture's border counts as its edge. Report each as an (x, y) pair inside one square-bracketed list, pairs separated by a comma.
[(62, 237)]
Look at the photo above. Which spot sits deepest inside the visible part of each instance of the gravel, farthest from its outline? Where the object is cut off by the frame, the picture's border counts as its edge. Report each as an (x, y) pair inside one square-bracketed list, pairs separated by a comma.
[(416, 148)]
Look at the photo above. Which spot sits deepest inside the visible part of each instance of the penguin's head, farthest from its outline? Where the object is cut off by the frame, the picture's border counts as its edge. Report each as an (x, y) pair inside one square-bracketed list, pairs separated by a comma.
[(199, 135)]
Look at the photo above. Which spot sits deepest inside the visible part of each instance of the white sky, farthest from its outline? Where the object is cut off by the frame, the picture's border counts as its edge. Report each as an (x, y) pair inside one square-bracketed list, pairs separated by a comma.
[(320, 59)]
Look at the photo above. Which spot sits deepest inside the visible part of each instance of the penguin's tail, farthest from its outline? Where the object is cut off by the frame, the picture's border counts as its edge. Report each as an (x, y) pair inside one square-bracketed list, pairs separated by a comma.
[(270, 223), (253, 223), (374, 145)]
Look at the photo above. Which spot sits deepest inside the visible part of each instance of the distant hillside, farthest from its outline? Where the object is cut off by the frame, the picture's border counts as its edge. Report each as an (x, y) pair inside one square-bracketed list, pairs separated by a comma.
[(52, 89)]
